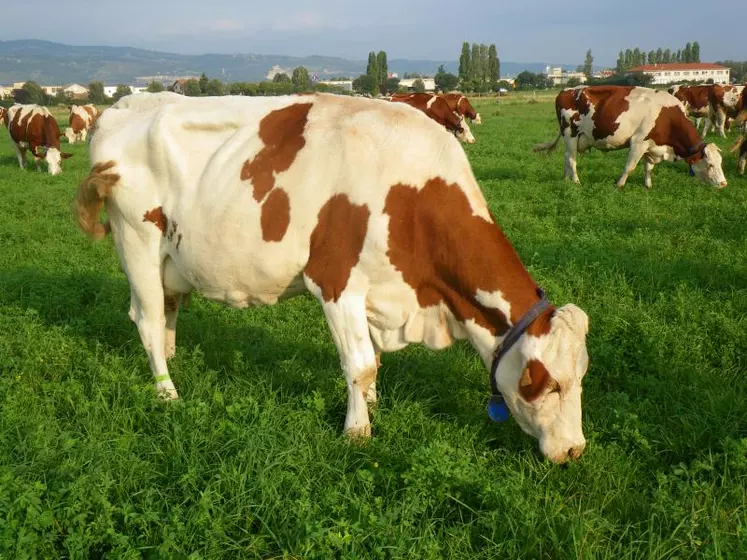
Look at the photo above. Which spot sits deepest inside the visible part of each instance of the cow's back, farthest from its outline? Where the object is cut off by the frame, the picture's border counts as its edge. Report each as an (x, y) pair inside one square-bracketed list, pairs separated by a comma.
[(247, 180)]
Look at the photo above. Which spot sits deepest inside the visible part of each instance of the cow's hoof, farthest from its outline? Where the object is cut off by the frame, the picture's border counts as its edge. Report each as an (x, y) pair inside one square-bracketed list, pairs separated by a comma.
[(359, 434), (167, 394)]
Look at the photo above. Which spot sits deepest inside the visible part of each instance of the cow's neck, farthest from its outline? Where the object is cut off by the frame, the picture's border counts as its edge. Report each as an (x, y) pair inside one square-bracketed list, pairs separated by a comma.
[(685, 138)]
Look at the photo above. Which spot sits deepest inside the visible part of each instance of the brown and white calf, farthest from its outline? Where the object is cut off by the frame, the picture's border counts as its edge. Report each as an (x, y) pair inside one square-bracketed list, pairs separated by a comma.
[(653, 124), (461, 105), (32, 127), (438, 109), (250, 200), (696, 100), (80, 122)]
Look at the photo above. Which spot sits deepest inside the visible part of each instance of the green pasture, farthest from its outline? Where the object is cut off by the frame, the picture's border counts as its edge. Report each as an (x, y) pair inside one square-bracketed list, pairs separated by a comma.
[(251, 462)]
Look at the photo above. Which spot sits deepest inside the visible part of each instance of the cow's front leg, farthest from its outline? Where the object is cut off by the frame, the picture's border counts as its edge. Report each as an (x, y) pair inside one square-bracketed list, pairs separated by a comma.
[(21, 155), (348, 324), (571, 151), (637, 150)]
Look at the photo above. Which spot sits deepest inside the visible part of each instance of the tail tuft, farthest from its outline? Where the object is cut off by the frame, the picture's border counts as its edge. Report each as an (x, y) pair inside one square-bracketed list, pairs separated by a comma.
[(96, 187)]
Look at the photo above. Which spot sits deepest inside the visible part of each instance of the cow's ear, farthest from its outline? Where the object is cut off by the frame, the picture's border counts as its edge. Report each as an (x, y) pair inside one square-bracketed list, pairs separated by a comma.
[(65, 155), (534, 379)]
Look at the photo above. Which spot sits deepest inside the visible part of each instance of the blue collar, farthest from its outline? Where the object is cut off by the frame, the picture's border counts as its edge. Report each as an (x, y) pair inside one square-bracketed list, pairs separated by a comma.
[(497, 409)]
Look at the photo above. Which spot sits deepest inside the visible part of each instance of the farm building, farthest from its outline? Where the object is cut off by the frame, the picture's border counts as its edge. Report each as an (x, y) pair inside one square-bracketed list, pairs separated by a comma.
[(679, 71), (560, 77)]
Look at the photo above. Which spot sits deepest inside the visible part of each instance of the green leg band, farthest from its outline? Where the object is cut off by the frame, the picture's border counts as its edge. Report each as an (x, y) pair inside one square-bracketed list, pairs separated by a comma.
[(162, 378)]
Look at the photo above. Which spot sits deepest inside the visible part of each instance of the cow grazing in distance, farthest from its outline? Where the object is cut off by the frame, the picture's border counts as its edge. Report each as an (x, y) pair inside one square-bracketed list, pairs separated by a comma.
[(696, 100), (80, 121), (438, 109), (461, 105), (4, 116), (725, 102), (653, 124), (250, 200), (33, 128)]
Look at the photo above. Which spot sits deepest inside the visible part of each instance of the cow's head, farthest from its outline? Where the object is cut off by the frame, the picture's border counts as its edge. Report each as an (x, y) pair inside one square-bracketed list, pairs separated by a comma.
[(540, 379), (70, 135), (464, 133), (477, 119), (54, 158), (706, 165)]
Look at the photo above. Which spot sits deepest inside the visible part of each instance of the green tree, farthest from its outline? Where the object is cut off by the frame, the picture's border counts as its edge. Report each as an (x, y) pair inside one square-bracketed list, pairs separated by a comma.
[(659, 56), (154, 87), (484, 58), (651, 57), (96, 93), (620, 67), (214, 87), (678, 56), (588, 64), (475, 63), (687, 53), (418, 86), (31, 92), (392, 85), (203, 83), (372, 70), (445, 81), (573, 82), (494, 66), (667, 57), (363, 84), (628, 60), (300, 79), (382, 67), (695, 52), (464, 63), (121, 91), (192, 88), (281, 77)]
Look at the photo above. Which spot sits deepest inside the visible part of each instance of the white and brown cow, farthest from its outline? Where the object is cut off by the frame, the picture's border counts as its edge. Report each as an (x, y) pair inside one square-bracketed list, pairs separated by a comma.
[(251, 200), (80, 122), (653, 124), (461, 105), (696, 100), (726, 102), (4, 116), (32, 127), (438, 109)]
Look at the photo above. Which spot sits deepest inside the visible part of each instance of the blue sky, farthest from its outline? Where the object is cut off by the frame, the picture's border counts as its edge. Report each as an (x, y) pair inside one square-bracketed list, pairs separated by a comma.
[(523, 31)]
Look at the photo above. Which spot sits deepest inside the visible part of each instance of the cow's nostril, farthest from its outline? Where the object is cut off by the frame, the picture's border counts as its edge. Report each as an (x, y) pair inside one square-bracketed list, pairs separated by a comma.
[(575, 452)]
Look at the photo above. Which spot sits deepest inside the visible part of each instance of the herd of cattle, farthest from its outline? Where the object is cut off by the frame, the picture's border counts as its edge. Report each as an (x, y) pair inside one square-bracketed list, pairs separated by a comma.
[(370, 206)]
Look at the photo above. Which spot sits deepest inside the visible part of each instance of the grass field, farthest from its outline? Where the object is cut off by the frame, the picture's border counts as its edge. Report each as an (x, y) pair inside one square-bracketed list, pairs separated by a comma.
[(251, 463)]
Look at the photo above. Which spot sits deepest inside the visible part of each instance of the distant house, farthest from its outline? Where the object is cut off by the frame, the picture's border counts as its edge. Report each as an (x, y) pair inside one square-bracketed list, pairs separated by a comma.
[(560, 77), (680, 71), (75, 91), (429, 83), (6, 91)]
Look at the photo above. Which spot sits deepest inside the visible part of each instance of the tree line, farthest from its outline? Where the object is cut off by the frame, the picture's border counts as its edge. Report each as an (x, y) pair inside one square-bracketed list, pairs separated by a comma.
[(479, 67), (630, 58)]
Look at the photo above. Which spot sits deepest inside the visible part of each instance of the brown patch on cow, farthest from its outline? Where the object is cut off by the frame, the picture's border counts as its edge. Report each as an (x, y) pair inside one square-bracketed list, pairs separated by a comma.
[(609, 103), (534, 380), (446, 254), (178, 241), (364, 380), (673, 128), (39, 130), (566, 101), (336, 244), (282, 133), (275, 216), (157, 217), (460, 104), (76, 123)]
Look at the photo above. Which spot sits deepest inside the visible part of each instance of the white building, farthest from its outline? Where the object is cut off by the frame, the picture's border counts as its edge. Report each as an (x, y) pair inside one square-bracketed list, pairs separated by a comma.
[(560, 77), (680, 71), (430, 83)]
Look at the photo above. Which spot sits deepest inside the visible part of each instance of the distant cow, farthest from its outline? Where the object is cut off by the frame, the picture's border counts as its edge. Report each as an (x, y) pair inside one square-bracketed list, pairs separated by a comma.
[(4, 116), (438, 109), (696, 100), (726, 102), (460, 104), (81, 121), (652, 123), (34, 128), (251, 200)]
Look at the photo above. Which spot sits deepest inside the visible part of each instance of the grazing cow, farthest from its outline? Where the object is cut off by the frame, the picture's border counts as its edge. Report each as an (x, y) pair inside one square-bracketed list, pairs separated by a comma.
[(33, 127), (696, 100), (251, 200), (652, 123), (81, 120), (725, 102), (460, 104), (4, 116), (438, 109)]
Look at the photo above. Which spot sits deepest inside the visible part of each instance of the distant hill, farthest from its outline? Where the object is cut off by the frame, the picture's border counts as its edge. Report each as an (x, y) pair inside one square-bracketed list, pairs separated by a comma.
[(47, 63)]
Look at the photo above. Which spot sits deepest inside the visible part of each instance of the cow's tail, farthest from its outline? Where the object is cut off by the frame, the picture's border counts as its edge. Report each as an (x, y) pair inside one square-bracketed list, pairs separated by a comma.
[(737, 144), (546, 146), (92, 191)]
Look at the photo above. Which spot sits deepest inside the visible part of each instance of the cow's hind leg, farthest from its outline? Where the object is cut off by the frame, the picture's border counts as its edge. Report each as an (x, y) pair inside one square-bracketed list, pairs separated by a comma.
[(348, 323), (648, 166), (21, 155), (571, 151), (637, 150), (174, 286)]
